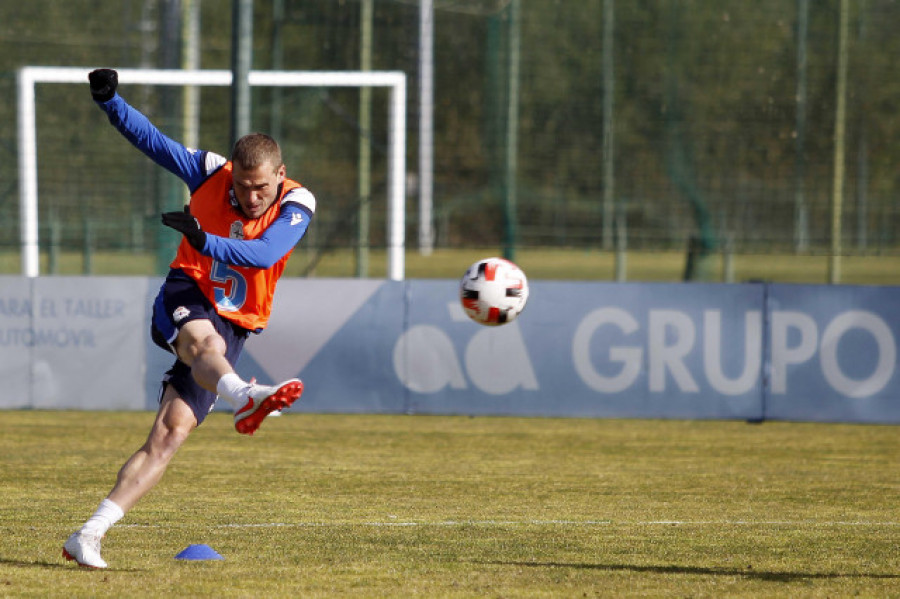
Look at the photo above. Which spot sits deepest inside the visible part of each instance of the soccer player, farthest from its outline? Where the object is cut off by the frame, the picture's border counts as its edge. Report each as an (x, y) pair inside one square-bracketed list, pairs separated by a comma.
[(244, 219)]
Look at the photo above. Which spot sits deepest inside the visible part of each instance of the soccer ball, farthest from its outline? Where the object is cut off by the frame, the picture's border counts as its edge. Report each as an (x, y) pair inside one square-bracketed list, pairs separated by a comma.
[(493, 291)]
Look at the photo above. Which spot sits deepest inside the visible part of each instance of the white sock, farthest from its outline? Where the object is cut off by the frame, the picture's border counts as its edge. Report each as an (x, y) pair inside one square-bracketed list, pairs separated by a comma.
[(106, 515), (233, 389)]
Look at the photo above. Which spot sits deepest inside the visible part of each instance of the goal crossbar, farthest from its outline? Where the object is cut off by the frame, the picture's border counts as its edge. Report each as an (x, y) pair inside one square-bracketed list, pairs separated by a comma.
[(395, 81)]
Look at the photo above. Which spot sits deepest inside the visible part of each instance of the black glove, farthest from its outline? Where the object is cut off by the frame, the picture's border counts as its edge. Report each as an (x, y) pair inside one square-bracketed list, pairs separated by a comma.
[(187, 225), (103, 84)]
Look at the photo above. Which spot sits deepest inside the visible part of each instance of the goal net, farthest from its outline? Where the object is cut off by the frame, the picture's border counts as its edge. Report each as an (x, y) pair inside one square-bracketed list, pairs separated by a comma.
[(83, 179)]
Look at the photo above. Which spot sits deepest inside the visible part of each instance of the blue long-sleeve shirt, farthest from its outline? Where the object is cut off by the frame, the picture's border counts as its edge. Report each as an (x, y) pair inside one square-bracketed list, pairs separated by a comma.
[(194, 167)]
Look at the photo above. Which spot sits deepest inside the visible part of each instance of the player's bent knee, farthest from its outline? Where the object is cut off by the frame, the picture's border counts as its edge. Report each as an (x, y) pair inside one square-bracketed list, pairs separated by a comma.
[(167, 438), (206, 345), (212, 344), (196, 338)]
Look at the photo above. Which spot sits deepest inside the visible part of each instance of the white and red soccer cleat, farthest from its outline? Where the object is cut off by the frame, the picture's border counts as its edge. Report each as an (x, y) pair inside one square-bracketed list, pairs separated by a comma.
[(84, 549), (264, 400)]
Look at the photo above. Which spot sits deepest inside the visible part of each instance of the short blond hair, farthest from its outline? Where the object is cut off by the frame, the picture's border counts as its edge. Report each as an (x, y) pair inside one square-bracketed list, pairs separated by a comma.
[(255, 149)]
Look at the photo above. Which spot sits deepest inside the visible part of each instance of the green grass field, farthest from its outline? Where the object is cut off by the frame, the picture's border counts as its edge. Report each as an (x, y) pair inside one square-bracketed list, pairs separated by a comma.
[(398, 506), (538, 263)]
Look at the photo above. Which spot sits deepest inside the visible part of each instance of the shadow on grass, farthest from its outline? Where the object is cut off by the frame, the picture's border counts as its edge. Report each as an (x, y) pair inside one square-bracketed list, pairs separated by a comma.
[(19, 563), (747, 572)]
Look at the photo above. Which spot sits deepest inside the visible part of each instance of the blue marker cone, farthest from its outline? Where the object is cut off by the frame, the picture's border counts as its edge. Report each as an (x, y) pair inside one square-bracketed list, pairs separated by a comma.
[(198, 552)]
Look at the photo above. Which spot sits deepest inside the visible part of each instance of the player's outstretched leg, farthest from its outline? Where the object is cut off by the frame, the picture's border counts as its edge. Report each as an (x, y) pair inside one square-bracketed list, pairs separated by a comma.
[(262, 401), (84, 548)]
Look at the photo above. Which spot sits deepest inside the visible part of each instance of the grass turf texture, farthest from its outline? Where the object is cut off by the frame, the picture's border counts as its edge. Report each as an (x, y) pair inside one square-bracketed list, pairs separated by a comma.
[(330, 505)]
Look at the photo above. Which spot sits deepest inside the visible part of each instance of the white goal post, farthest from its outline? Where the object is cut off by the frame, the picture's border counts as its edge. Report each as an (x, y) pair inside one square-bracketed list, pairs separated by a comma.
[(395, 81)]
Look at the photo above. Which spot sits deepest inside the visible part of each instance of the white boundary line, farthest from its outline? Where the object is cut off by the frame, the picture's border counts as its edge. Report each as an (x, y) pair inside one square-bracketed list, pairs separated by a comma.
[(569, 523)]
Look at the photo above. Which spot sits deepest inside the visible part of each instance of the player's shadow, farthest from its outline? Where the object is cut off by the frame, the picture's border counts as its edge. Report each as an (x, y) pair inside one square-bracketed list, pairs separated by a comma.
[(19, 563), (748, 572)]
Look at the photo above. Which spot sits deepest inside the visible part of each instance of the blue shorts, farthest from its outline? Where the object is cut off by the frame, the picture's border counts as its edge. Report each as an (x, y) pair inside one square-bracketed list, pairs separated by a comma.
[(180, 301)]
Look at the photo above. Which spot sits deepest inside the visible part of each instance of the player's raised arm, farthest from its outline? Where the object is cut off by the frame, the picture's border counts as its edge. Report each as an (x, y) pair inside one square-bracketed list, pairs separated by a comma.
[(189, 165)]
